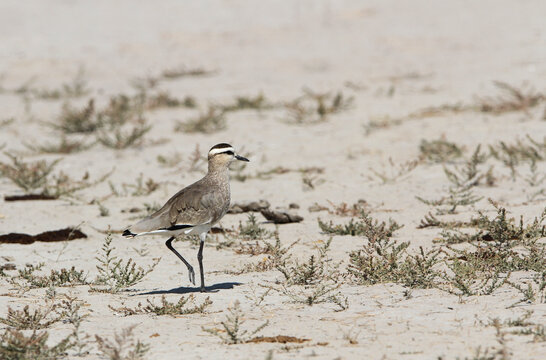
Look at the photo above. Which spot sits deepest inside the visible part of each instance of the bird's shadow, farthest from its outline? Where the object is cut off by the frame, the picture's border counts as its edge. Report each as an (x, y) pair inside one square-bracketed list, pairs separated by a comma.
[(189, 290)]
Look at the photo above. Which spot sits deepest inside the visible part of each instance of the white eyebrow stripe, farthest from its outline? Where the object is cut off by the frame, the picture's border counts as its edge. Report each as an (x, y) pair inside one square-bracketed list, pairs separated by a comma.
[(221, 150)]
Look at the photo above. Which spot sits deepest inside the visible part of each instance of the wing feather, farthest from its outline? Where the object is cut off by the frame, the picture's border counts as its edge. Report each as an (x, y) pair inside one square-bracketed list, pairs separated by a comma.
[(190, 207)]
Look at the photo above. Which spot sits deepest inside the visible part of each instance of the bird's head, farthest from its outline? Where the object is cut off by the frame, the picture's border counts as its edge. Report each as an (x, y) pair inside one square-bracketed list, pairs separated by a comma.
[(222, 155)]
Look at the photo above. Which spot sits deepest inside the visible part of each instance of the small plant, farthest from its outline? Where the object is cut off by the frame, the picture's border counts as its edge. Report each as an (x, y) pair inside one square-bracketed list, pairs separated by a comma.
[(29, 176), (166, 307), (140, 188), (82, 120), (258, 102), (119, 139), (251, 230), (351, 335), (28, 270), (258, 247), (432, 221), (535, 177), (151, 208), (500, 247), (211, 121), (503, 232), (165, 100), (56, 278), (538, 332), (521, 321), (183, 71), (121, 110), (366, 226), (316, 294), (33, 176), (276, 255), (521, 326), (123, 346), (382, 259), (78, 85), (257, 299), (315, 270), (462, 180), (232, 332), (342, 209), (76, 88), (196, 160), (533, 291), (30, 319), (310, 182), (440, 110), (65, 146), (419, 270), (6, 122), (481, 276), (510, 99), (15, 344), (170, 160), (464, 278), (511, 155), (469, 175), (377, 262), (69, 308), (379, 122), (439, 151), (63, 185), (395, 171), (144, 84), (456, 197), (114, 119), (115, 274), (315, 107)]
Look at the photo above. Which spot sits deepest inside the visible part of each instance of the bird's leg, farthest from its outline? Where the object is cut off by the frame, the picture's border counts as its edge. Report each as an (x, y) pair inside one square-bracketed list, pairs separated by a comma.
[(202, 238), (190, 268)]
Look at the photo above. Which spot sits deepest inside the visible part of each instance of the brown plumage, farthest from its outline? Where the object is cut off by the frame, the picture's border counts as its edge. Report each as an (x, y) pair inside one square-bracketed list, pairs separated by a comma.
[(194, 209), (203, 202)]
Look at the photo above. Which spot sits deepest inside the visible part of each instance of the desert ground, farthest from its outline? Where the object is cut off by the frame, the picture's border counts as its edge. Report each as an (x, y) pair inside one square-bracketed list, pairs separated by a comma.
[(403, 143)]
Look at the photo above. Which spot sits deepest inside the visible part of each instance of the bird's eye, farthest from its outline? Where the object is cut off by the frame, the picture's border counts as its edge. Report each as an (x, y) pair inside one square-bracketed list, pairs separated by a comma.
[(229, 153)]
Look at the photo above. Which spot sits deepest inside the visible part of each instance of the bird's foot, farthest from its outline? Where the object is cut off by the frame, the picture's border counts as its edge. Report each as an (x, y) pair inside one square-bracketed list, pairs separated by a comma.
[(191, 274)]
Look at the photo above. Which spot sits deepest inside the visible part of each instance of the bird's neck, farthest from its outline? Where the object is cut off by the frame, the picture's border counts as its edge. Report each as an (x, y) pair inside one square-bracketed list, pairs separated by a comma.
[(218, 170)]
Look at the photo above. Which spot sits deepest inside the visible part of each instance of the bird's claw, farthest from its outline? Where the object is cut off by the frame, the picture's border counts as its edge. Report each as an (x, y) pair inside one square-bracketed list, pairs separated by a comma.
[(191, 274)]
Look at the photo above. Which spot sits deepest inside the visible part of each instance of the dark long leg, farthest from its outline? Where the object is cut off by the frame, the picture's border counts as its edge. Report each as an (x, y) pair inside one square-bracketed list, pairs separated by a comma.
[(190, 268), (200, 259)]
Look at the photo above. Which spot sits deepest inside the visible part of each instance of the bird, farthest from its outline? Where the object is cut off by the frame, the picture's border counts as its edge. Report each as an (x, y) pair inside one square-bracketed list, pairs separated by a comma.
[(195, 208)]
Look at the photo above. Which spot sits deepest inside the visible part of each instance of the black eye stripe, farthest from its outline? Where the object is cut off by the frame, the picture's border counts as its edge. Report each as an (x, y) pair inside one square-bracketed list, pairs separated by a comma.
[(229, 152)]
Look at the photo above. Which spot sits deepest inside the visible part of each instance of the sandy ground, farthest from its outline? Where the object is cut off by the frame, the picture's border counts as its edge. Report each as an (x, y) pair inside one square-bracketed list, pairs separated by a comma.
[(394, 58)]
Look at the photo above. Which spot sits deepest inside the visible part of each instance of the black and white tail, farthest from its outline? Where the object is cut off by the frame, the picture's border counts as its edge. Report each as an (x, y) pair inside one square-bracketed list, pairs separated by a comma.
[(128, 233)]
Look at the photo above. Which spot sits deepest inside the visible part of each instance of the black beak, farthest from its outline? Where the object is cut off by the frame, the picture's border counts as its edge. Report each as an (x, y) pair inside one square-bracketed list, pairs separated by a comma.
[(242, 158)]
